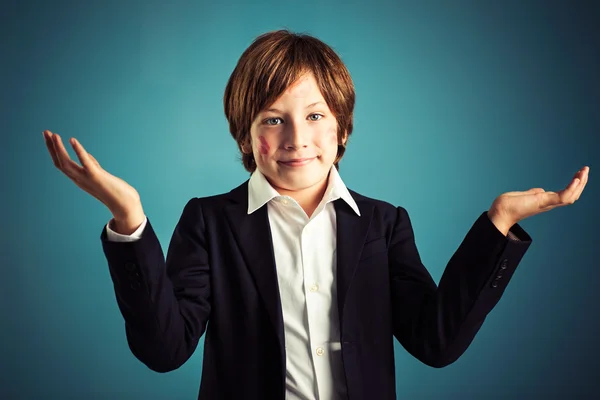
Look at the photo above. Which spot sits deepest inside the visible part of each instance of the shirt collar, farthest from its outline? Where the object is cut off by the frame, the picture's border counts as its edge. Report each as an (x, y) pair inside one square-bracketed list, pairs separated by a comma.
[(260, 191)]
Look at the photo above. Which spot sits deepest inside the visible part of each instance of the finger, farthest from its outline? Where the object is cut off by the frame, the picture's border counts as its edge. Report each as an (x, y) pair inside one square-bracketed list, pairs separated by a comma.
[(82, 154), (584, 174), (550, 200), (571, 193), (48, 139), (536, 190), (67, 165), (579, 174), (56, 150), (572, 196), (94, 159), (565, 196)]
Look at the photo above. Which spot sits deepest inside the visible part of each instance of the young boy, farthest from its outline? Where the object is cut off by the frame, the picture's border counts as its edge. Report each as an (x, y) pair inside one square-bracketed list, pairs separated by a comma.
[(299, 283)]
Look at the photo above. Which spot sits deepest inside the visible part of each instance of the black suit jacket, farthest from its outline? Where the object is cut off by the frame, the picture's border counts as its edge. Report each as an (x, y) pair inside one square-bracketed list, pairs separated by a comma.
[(219, 277)]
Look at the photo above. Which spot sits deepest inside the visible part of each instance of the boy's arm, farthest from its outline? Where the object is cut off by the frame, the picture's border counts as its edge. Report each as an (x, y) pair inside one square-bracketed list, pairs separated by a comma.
[(165, 304), (437, 324)]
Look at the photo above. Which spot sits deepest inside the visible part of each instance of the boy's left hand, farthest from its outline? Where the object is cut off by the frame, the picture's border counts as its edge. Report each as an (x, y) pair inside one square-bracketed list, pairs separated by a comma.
[(511, 207)]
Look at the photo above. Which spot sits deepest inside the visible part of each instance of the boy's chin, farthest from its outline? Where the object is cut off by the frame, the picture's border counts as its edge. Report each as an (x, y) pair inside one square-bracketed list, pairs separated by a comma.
[(294, 179), (295, 183)]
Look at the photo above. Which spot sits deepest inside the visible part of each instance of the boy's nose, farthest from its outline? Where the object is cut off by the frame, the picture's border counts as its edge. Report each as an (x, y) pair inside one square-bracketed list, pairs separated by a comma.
[(296, 137)]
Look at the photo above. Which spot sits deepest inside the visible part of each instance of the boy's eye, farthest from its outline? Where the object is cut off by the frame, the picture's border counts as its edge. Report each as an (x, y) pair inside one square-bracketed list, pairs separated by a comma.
[(271, 121)]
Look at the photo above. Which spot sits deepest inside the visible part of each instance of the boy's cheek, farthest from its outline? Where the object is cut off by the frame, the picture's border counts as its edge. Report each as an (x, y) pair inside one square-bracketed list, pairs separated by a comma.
[(263, 146), (330, 138), (333, 135)]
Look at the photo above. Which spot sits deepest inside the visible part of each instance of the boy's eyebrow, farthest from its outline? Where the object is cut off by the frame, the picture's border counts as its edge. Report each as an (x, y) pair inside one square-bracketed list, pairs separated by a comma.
[(308, 106)]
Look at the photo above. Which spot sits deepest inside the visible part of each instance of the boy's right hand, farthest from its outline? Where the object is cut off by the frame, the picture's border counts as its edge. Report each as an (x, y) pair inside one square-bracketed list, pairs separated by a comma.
[(122, 200)]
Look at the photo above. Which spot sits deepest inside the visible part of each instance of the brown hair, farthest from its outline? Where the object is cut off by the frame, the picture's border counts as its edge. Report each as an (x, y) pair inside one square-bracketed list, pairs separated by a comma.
[(273, 62)]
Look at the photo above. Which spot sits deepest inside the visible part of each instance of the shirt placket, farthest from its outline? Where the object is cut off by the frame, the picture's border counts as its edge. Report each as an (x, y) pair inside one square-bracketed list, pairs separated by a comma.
[(315, 301)]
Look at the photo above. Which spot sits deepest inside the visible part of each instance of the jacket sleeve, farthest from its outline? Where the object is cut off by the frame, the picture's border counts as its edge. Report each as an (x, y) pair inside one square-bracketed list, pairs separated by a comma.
[(165, 304), (436, 324)]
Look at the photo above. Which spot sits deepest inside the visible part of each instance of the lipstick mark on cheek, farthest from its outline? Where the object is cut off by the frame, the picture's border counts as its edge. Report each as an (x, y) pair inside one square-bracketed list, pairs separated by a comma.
[(264, 146), (333, 135)]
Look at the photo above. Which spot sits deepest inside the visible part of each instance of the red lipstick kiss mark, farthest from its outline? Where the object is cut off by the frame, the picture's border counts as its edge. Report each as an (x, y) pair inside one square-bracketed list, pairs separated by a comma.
[(333, 135), (264, 146)]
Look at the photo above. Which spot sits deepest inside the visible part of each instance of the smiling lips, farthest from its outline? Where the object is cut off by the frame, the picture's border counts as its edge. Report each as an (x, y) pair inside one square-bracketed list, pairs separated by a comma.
[(296, 162)]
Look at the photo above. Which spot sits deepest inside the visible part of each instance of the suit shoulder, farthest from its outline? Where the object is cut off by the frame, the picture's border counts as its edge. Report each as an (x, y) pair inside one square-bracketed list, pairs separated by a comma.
[(216, 202), (381, 206)]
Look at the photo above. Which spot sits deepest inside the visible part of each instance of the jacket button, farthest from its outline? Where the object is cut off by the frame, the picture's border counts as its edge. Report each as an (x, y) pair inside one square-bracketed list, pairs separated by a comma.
[(495, 283), (135, 285), (129, 266)]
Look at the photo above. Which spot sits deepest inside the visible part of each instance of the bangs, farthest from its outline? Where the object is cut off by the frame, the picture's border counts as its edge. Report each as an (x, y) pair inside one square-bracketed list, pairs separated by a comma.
[(278, 66)]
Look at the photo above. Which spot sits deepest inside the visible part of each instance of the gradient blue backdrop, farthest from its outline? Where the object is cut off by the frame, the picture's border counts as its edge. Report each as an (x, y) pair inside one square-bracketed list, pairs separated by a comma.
[(456, 104)]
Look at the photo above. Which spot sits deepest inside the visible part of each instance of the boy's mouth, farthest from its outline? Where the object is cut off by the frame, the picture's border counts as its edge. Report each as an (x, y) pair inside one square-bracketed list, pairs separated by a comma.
[(296, 162)]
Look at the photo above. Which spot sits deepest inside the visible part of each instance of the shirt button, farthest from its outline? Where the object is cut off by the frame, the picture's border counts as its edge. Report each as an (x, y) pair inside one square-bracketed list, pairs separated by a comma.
[(320, 351), (314, 288), (284, 201)]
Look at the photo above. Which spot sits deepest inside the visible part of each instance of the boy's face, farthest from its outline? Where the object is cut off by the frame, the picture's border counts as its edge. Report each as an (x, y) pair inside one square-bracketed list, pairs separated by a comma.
[(294, 141)]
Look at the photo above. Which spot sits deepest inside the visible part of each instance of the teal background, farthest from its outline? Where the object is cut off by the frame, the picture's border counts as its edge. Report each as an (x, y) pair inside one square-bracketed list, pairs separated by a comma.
[(457, 102)]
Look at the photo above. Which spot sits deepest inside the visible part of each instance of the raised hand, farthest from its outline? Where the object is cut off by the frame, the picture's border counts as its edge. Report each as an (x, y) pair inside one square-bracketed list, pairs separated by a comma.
[(118, 196), (511, 207)]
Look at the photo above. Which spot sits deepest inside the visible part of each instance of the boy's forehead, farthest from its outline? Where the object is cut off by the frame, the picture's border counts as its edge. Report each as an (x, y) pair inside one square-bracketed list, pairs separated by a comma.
[(304, 86), (303, 92)]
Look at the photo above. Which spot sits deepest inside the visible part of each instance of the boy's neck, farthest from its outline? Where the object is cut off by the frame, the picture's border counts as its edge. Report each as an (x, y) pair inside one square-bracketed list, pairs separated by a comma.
[(308, 198)]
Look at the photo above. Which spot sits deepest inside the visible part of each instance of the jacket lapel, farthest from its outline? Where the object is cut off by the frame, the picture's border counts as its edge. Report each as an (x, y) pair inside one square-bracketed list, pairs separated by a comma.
[(351, 235), (253, 236)]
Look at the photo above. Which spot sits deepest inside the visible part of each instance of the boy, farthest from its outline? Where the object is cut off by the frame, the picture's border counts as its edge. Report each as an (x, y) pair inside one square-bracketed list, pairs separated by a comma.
[(305, 282)]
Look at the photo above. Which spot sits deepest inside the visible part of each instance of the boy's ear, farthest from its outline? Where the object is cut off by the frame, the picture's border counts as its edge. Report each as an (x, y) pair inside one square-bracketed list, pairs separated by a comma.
[(246, 146), (344, 139)]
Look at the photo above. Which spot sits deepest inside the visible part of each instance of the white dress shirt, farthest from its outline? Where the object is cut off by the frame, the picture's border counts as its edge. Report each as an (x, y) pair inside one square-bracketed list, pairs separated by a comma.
[(305, 259)]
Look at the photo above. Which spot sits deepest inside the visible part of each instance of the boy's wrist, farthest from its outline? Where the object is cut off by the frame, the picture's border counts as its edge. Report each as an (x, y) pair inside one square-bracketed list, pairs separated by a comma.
[(128, 224)]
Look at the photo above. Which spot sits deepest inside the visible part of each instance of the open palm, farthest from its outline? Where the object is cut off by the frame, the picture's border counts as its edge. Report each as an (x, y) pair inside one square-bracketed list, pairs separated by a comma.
[(516, 206), (113, 192)]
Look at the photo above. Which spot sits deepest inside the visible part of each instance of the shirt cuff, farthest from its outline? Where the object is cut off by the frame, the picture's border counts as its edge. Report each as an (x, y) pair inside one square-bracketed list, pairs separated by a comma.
[(117, 237), (513, 237)]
